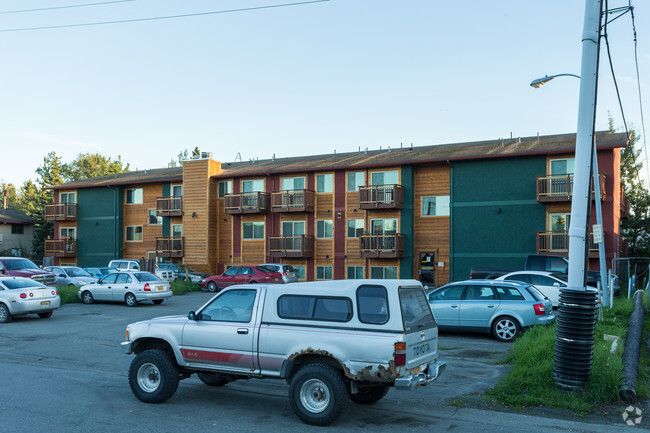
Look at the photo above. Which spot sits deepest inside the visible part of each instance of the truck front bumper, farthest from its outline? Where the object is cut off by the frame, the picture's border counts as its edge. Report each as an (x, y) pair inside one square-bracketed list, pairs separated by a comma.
[(126, 347), (420, 379)]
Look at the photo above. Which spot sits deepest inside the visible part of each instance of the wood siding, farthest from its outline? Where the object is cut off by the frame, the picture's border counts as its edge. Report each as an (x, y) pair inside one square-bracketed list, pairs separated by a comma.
[(138, 215)]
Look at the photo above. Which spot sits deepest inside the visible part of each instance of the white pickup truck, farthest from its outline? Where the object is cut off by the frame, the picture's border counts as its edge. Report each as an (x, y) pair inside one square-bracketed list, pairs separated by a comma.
[(332, 341)]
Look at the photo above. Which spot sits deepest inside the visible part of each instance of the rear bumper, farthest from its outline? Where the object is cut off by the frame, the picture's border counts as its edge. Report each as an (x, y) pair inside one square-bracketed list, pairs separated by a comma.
[(421, 379)]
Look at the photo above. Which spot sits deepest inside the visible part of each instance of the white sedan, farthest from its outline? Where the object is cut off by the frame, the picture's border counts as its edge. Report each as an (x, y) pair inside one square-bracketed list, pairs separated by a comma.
[(20, 295), (128, 287), (549, 283)]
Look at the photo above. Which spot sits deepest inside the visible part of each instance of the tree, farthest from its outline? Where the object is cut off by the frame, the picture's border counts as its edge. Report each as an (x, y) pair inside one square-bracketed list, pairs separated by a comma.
[(7, 194), (87, 165), (182, 156)]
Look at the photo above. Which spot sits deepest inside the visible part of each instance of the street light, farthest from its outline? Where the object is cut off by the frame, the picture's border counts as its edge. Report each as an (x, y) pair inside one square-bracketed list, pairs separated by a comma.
[(541, 81)]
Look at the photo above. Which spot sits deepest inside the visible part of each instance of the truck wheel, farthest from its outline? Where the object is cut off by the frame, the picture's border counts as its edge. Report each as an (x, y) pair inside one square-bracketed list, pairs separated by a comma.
[(370, 395), (213, 379), (505, 328), (153, 376), (87, 297), (318, 394), (130, 300), (5, 315)]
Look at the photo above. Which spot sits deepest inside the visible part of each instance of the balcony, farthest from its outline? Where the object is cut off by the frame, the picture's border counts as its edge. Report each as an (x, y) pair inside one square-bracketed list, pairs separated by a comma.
[(381, 197), (292, 246), (61, 212), (625, 205), (558, 244), (61, 247), (169, 206), (169, 247), (559, 188), (390, 246), (294, 200), (248, 202)]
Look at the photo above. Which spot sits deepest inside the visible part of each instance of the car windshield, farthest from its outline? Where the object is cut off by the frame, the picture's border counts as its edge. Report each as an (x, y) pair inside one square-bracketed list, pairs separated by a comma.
[(19, 283), (17, 264), (535, 293), (77, 272), (146, 276)]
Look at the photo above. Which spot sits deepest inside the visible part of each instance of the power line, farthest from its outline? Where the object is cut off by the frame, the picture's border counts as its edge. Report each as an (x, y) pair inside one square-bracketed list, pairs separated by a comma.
[(161, 17), (64, 7)]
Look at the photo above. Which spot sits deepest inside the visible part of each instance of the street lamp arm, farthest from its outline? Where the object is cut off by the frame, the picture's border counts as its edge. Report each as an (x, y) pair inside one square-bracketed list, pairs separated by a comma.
[(541, 81)]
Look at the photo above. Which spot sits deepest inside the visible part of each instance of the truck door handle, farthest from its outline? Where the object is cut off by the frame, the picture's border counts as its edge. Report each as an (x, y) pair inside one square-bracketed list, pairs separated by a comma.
[(242, 331)]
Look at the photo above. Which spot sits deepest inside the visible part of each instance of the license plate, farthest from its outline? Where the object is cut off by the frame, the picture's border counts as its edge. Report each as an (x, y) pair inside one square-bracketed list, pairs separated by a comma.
[(161, 288), (45, 302)]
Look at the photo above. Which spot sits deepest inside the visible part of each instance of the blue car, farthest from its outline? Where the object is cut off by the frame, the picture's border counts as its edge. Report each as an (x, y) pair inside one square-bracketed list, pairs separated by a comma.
[(503, 308), (100, 272)]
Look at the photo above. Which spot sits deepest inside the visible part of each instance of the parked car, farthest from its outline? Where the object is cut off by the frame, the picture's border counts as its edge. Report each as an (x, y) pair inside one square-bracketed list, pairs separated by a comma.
[(179, 272), (241, 275), (503, 308), (99, 272), (19, 295), (549, 283), (125, 264), (289, 274), (21, 267), (128, 287), (71, 275)]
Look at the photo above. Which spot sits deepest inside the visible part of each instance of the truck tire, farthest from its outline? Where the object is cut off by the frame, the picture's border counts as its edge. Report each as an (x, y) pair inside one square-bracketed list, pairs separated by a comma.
[(370, 395), (214, 379), (318, 394), (153, 376), (505, 328)]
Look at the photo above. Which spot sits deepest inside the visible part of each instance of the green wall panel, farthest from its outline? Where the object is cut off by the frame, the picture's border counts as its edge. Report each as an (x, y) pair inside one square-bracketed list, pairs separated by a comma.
[(99, 225), (407, 222)]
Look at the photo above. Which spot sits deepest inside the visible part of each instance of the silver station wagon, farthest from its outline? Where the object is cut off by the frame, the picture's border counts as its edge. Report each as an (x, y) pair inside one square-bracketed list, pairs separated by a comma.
[(19, 295)]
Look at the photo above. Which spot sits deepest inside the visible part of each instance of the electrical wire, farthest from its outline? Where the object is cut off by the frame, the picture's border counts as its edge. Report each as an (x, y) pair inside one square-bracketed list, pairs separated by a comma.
[(161, 17), (64, 7)]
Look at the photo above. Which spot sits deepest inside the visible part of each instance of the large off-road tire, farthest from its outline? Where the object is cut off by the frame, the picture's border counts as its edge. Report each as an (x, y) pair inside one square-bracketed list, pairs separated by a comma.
[(505, 328), (87, 297), (212, 287), (214, 379), (130, 300), (318, 394), (45, 315), (370, 395), (5, 315), (153, 376)]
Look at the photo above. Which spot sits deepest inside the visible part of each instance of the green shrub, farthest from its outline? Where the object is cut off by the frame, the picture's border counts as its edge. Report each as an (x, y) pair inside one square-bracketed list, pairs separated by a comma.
[(68, 294)]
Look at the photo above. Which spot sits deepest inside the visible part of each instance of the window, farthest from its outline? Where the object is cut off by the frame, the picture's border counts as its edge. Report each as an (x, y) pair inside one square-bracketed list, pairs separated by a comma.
[(134, 233), (385, 177), (479, 293), (355, 228), (68, 232), (384, 226), (416, 312), (300, 272), (16, 252), (355, 180), (255, 185), (123, 279), (134, 196), (451, 293), (323, 272), (110, 279), (232, 306), (383, 272), (324, 183), (324, 229), (435, 206), (372, 304), (177, 190), (17, 229), (315, 308), (293, 228), (177, 231), (254, 230), (225, 187), (67, 197), (293, 183), (562, 166), (355, 272), (510, 294), (154, 219)]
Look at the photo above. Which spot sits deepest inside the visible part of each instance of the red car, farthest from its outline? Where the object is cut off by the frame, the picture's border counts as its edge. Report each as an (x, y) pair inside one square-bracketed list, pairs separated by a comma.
[(242, 275)]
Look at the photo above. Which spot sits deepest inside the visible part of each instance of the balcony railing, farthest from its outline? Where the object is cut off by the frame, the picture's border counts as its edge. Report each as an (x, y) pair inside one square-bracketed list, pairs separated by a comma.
[(558, 244), (169, 247), (61, 247), (293, 200), (381, 197), (248, 202), (169, 206), (625, 205), (292, 246), (389, 246), (61, 212), (556, 188)]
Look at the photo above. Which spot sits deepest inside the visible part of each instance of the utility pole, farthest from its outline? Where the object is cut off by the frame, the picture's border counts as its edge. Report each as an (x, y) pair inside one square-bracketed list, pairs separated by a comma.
[(5, 193)]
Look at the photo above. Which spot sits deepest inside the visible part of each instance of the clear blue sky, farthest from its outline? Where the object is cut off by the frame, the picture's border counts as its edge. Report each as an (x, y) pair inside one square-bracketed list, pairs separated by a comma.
[(308, 79)]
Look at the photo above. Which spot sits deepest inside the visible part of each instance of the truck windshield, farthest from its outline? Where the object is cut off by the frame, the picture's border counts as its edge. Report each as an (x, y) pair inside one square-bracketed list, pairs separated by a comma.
[(416, 313), (14, 265)]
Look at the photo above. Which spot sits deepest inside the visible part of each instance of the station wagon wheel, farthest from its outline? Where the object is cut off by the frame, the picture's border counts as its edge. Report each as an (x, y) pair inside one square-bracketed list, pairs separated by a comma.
[(505, 328), (87, 297), (318, 394), (130, 300), (153, 376), (5, 315), (212, 286)]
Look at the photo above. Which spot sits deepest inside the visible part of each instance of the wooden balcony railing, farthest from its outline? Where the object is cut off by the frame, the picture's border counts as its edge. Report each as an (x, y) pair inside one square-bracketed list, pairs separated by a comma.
[(389, 246), (293, 200), (560, 188), (61, 247), (169, 206), (381, 197), (558, 244), (292, 246), (248, 202), (61, 212), (169, 247), (625, 204)]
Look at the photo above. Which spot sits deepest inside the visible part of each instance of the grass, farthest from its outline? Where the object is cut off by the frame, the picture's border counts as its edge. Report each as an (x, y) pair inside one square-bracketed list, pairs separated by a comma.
[(530, 381), (69, 294)]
